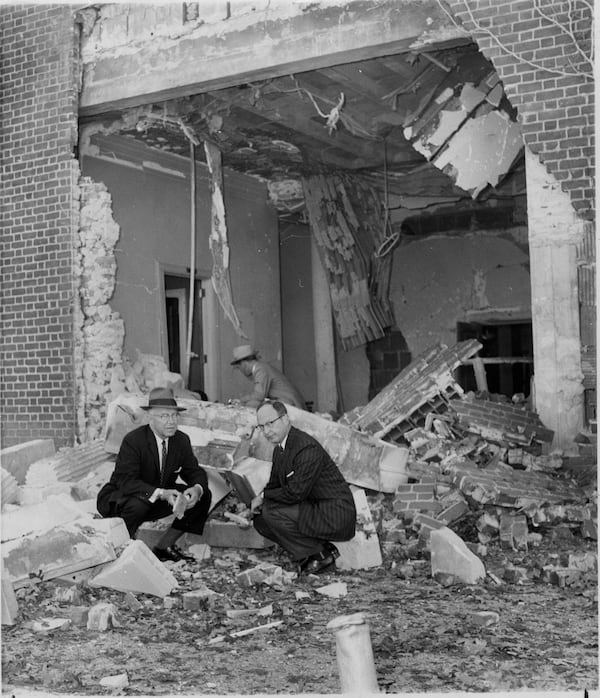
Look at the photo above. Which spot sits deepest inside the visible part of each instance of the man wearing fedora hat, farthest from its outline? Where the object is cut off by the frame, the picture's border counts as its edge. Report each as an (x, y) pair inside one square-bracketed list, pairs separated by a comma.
[(269, 383), (143, 485)]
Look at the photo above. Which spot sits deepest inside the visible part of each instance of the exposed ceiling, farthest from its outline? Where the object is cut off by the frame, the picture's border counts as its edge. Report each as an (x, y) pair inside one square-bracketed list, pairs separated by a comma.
[(349, 117)]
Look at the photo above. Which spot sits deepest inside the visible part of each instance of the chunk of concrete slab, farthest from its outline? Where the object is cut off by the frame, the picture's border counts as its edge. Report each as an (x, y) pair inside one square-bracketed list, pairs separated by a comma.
[(114, 529), (60, 551), (17, 459), (55, 511), (217, 534), (138, 570), (10, 606), (363, 550), (450, 556), (9, 488)]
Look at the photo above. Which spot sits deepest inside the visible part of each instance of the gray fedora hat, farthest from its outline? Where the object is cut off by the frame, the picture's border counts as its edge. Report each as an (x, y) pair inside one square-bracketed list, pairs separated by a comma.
[(162, 397)]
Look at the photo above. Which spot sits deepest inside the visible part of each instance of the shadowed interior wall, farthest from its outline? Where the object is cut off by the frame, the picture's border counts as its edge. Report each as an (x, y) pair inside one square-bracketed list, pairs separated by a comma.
[(439, 281), (152, 207)]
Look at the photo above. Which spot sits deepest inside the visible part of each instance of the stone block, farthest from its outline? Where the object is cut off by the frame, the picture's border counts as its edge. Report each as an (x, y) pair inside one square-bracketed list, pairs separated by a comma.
[(226, 534), (363, 550), (60, 551), (17, 459), (450, 555), (138, 570)]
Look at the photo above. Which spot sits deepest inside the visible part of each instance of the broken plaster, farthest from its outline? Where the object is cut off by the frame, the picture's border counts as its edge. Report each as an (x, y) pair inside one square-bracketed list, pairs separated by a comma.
[(101, 331)]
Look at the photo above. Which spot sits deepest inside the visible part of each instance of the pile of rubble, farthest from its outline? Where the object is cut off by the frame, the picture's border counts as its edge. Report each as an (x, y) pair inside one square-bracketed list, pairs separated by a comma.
[(438, 477)]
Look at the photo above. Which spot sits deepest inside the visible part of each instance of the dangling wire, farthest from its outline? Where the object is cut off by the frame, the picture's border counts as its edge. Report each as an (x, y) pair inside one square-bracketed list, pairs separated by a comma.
[(391, 238)]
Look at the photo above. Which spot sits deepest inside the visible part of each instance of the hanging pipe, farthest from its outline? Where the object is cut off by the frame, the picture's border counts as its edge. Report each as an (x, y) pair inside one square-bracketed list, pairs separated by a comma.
[(354, 654), (189, 355)]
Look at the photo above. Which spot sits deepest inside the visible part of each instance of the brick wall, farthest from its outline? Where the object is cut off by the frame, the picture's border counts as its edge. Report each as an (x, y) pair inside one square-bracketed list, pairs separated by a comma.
[(38, 103), (546, 79)]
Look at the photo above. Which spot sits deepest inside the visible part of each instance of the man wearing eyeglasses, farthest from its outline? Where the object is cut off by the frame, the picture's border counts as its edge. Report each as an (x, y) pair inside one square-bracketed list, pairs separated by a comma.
[(307, 503), (143, 484)]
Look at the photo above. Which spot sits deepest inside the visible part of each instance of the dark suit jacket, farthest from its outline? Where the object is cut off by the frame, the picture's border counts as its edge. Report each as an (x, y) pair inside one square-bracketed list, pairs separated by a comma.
[(306, 475), (137, 469)]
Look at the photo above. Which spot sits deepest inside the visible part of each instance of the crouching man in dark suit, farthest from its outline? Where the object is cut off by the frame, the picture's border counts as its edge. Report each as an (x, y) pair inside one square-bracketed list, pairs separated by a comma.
[(143, 484), (307, 503)]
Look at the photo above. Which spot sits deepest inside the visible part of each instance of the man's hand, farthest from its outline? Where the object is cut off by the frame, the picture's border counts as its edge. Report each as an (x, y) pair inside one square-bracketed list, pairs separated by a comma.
[(168, 496), (192, 495), (256, 504)]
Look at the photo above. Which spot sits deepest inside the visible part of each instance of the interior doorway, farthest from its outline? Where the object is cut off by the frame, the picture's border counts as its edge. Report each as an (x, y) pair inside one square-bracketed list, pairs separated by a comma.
[(507, 355), (177, 304)]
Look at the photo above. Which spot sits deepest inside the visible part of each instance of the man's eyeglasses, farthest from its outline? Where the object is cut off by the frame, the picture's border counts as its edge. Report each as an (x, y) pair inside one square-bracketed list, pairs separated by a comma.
[(167, 416), (262, 427)]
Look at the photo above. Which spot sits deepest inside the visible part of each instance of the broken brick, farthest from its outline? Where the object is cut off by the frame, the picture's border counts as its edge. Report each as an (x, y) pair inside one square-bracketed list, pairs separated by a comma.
[(453, 512)]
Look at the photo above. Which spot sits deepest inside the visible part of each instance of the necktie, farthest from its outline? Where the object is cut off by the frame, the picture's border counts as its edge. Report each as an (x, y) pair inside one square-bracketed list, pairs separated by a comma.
[(163, 460)]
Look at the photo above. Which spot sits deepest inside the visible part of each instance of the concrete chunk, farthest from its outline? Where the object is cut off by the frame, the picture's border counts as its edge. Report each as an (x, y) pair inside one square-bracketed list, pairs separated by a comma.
[(362, 551), (450, 555), (138, 570), (59, 551), (17, 459), (114, 529)]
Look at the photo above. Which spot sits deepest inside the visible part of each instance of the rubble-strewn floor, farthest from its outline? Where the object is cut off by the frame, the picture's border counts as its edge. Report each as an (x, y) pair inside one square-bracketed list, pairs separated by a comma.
[(424, 636)]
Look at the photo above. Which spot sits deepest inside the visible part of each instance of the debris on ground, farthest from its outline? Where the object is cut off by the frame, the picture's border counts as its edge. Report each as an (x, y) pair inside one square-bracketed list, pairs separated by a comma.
[(480, 518)]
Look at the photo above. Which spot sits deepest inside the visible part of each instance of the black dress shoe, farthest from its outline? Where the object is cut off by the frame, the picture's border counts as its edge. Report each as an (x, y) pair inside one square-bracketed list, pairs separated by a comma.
[(318, 563), (332, 550), (171, 554)]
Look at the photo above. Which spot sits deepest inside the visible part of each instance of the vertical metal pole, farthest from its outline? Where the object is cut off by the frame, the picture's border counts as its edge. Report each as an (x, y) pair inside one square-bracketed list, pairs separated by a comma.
[(188, 353), (354, 654)]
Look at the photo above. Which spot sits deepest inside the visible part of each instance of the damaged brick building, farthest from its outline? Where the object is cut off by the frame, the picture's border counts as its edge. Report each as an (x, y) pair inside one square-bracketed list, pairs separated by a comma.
[(343, 185)]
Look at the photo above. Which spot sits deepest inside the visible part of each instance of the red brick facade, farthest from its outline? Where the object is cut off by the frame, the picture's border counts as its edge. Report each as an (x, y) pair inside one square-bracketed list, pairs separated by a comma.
[(38, 102), (546, 78)]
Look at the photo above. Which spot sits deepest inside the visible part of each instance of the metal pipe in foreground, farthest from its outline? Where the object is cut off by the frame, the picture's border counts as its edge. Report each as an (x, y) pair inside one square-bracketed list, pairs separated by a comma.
[(354, 654)]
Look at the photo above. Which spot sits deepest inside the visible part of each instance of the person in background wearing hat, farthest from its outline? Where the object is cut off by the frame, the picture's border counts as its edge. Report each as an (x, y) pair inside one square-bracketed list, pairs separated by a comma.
[(269, 383), (306, 503), (143, 484)]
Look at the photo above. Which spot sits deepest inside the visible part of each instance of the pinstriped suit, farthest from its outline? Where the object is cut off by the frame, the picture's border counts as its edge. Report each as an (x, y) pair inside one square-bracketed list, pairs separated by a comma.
[(307, 488)]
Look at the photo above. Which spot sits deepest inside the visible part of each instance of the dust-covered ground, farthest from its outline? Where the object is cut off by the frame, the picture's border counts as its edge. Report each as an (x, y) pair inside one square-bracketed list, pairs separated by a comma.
[(425, 637)]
